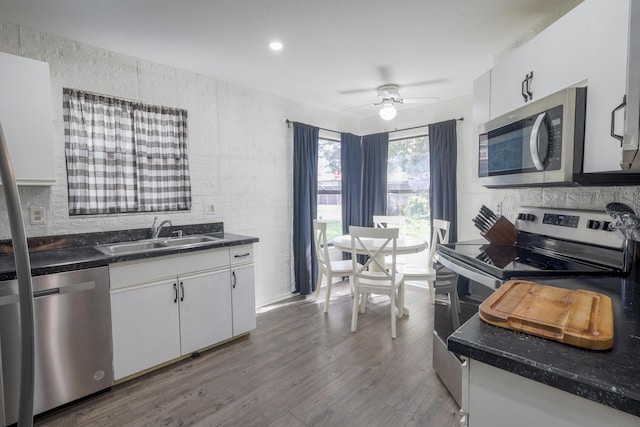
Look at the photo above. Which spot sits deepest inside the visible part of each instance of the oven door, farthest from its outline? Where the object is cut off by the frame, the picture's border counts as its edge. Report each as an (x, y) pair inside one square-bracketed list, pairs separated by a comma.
[(473, 287)]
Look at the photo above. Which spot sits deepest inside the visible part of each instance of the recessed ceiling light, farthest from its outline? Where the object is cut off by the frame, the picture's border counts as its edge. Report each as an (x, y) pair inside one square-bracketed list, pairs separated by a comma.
[(275, 46)]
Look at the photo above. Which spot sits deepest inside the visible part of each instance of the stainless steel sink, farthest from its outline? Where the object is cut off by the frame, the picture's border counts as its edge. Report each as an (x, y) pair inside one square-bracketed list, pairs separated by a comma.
[(189, 240), (141, 246)]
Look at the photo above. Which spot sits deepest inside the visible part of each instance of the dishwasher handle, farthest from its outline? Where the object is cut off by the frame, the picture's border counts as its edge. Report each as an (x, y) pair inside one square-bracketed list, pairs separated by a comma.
[(46, 293)]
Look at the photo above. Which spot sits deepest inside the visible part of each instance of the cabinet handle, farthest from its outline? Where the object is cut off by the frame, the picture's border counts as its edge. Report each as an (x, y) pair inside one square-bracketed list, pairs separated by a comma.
[(235, 279), (613, 119), (175, 289), (243, 255), (182, 289), (524, 95), (529, 79)]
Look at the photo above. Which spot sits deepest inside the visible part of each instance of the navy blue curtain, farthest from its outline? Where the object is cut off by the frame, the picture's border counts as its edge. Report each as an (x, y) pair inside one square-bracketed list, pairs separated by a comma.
[(305, 185), (375, 151), (351, 166), (442, 191)]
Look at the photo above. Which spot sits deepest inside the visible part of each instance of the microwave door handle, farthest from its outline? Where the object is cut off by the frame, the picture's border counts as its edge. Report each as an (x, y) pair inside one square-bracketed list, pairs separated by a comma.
[(538, 127)]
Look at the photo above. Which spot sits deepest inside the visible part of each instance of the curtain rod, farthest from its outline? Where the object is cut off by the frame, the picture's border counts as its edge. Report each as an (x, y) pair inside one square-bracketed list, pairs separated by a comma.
[(290, 122)]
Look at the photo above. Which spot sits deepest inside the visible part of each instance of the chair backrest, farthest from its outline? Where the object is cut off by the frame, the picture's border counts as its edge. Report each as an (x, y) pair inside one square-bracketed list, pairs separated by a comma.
[(320, 242), (390, 221), (440, 234), (375, 270)]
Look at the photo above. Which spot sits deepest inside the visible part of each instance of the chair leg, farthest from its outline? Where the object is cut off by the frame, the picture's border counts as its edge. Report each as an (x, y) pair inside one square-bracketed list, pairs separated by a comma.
[(328, 297), (363, 300), (393, 314), (350, 278), (354, 312), (401, 300), (319, 284)]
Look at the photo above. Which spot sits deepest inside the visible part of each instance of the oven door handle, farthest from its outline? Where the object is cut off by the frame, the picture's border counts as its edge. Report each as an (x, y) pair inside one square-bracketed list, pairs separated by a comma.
[(468, 271)]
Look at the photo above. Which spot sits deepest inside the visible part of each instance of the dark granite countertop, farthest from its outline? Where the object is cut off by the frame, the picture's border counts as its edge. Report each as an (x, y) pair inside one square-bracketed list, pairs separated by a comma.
[(54, 254), (610, 377)]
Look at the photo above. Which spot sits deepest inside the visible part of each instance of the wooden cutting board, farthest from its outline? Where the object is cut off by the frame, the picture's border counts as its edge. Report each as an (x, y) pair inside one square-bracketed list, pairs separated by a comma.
[(576, 317)]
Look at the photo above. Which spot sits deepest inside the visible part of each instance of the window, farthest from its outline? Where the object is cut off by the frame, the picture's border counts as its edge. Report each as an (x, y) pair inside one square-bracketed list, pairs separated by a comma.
[(408, 183), (124, 156), (329, 202)]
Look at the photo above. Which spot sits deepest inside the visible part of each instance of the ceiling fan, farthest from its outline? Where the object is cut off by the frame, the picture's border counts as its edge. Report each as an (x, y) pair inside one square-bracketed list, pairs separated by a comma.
[(389, 94)]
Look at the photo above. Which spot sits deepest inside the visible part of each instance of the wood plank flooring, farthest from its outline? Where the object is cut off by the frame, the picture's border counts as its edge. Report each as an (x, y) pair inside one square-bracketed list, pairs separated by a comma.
[(300, 367)]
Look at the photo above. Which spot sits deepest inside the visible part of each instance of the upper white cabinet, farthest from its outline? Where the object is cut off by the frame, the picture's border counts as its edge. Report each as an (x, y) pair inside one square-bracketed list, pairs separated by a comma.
[(608, 41), (587, 46), (557, 57), (25, 115)]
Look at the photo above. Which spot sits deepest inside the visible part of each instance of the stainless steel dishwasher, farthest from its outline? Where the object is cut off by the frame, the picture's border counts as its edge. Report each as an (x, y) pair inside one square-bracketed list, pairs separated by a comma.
[(73, 347)]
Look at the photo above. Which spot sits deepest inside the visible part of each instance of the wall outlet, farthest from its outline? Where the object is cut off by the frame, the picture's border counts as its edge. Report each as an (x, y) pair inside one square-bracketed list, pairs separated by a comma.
[(210, 209), (36, 215), (499, 208)]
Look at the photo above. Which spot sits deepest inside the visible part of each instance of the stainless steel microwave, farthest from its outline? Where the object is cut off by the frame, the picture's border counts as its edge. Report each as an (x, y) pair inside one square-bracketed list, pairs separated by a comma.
[(539, 144)]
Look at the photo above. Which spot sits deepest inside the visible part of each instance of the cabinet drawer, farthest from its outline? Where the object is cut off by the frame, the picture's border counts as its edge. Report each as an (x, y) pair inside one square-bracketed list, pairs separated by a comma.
[(144, 271), (241, 255)]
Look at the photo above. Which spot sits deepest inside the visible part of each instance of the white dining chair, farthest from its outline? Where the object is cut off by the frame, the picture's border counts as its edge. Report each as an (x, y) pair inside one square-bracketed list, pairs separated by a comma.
[(437, 278), (327, 267), (374, 277), (391, 221)]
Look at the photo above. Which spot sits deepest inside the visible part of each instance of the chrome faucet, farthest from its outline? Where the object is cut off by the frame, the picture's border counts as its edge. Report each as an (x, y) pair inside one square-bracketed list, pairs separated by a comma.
[(155, 230)]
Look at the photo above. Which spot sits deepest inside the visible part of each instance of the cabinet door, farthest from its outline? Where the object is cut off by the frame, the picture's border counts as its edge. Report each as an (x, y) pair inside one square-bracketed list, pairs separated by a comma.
[(608, 41), (145, 327), (557, 56), (244, 299), (205, 309), (25, 114)]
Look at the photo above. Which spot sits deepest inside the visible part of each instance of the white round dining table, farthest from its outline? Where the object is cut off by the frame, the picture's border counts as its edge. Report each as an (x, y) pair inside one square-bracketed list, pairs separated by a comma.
[(404, 245)]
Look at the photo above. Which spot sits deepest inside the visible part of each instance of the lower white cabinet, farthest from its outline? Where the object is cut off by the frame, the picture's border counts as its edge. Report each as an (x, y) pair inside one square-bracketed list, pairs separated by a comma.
[(145, 327), (205, 312), (500, 398), (173, 306), (243, 299)]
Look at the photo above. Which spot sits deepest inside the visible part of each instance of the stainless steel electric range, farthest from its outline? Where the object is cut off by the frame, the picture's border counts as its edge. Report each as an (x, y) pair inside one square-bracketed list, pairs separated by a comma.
[(551, 243)]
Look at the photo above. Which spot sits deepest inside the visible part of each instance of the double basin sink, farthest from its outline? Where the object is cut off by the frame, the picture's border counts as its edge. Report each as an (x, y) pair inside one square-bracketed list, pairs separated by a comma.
[(160, 244)]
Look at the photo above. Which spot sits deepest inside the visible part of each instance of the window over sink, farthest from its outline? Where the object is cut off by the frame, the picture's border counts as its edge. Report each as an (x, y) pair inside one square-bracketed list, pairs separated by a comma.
[(124, 156)]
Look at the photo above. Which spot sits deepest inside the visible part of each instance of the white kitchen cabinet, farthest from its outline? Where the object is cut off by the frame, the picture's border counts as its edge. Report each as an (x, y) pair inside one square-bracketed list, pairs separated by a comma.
[(243, 299), (557, 56), (243, 289), (26, 118), (500, 398), (607, 69), (145, 327), (205, 312), (172, 306)]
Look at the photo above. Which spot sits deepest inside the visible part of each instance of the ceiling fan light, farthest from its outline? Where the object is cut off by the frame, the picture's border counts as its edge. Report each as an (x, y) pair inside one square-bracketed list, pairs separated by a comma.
[(388, 111)]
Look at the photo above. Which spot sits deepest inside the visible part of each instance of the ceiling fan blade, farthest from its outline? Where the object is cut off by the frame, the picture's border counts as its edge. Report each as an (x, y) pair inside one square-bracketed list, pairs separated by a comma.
[(428, 100), (355, 91), (425, 82)]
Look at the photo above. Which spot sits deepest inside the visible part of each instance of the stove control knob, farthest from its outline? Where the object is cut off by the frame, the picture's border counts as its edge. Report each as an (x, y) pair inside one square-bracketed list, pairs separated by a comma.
[(606, 226), (593, 225), (530, 217), (522, 216)]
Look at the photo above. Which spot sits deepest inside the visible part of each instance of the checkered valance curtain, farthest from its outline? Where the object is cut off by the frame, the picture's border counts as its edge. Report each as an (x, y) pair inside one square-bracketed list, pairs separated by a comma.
[(124, 156)]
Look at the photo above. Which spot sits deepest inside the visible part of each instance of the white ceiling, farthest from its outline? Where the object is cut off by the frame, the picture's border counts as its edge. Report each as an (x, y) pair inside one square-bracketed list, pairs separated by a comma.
[(336, 52)]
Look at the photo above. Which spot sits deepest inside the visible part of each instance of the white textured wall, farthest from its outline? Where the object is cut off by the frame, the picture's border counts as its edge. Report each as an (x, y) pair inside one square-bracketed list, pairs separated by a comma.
[(240, 149)]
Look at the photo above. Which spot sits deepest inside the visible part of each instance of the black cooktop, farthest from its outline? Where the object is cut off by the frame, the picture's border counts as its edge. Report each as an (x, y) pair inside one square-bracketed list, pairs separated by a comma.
[(512, 261)]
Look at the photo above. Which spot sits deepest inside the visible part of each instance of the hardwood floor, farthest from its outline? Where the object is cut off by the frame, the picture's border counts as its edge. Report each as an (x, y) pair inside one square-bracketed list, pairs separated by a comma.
[(300, 367)]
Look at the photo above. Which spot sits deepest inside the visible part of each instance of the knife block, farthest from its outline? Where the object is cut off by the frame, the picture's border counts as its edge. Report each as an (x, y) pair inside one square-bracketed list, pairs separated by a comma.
[(502, 232)]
